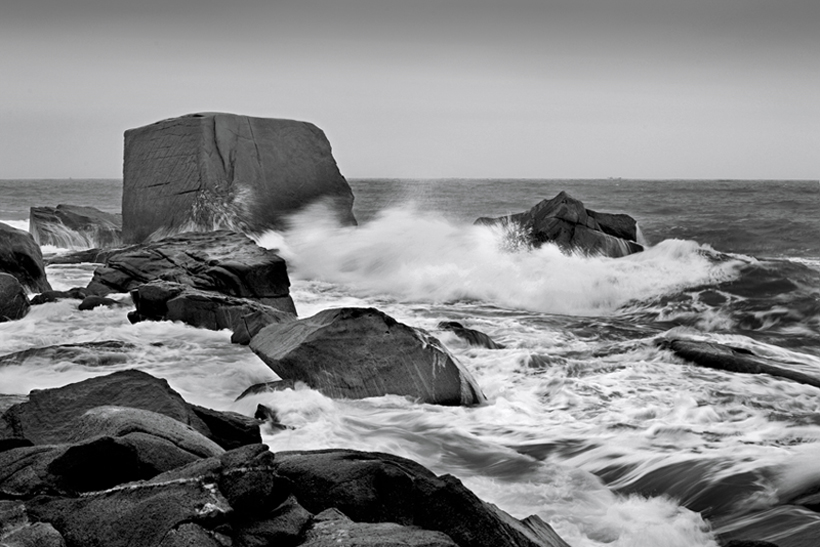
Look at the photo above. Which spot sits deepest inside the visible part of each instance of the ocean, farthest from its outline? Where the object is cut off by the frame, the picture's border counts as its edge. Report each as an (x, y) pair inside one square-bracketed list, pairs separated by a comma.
[(589, 423)]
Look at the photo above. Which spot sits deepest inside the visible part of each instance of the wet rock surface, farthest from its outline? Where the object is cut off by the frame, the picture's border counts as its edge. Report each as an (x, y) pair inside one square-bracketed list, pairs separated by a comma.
[(362, 352), (20, 256), (70, 226)]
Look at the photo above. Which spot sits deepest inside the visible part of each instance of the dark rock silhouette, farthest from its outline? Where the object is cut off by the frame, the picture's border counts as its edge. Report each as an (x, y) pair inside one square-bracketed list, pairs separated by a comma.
[(14, 302), (362, 352), (75, 226), (212, 170), (21, 257), (564, 221), (223, 262)]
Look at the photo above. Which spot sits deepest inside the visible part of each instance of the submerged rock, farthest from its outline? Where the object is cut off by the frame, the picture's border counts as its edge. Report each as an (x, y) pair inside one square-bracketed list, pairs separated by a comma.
[(14, 302), (471, 336), (564, 221), (223, 262), (89, 354), (362, 352), (167, 301), (212, 170), (21, 257), (71, 226), (723, 357), (76, 293)]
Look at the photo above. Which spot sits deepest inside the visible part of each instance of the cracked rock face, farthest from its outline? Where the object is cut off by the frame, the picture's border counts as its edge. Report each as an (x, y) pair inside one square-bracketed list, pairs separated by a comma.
[(207, 171)]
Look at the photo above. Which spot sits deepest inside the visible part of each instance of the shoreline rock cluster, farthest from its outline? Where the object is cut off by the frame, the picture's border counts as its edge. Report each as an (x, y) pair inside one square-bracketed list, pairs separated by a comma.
[(123, 460)]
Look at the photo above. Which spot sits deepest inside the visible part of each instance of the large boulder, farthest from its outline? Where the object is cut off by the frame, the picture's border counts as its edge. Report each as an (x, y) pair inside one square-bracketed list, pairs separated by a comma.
[(48, 415), (375, 487), (164, 300), (14, 302), (211, 170), (225, 262), (75, 226), (362, 352), (21, 257), (734, 359), (565, 222)]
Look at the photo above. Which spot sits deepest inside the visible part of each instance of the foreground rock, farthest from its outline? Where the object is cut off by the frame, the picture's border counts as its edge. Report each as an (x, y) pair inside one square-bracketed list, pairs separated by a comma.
[(722, 357), (224, 262), (20, 256), (14, 302), (361, 352), (375, 487), (564, 221), (48, 417), (207, 171), (70, 226), (166, 301), (130, 476)]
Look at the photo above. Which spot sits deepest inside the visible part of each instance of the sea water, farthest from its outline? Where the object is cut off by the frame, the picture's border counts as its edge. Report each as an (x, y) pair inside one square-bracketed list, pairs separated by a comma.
[(589, 423)]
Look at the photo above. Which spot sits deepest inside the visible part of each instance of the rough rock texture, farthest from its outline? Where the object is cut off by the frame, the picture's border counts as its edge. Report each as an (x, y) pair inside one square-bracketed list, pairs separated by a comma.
[(164, 300), (211, 170), (722, 357), (21, 257), (374, 487), (14, 302), (249, 325), (47, 417), (362, 352), (72, 226), (471, 336), (331, 528), (95, 255), (225, 262), (564, 221)]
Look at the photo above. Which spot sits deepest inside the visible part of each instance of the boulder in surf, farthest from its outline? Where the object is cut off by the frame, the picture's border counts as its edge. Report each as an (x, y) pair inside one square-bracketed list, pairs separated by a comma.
[(75, 226), (471, 336), (206, 171), (47, 416), (224, 262), (168, 301), (14, 302), (565, 222), (362, 352), (21, 257), (733, 359)]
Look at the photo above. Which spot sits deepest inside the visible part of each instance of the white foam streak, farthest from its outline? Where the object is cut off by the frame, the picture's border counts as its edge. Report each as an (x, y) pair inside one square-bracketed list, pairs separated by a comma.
[(410, 255)]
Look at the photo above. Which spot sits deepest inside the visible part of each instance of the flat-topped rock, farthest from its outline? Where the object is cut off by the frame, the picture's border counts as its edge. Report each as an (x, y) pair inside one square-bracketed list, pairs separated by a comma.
[(223, 261), (565, 222), (21, 257), (362, 352), (213, 170), (75, 226)]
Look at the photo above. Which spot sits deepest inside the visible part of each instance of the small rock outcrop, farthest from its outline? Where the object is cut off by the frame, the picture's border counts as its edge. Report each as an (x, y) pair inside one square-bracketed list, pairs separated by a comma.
[(362, 352), (224, 262), (14, 302), (471, 336), (212, 170), (564, 221), (167, 301), (75, 226), (21, 257), (731, 359)]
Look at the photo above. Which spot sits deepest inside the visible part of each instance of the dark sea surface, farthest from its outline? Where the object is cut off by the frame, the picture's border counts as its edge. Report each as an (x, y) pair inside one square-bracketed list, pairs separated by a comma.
[(590, 423)]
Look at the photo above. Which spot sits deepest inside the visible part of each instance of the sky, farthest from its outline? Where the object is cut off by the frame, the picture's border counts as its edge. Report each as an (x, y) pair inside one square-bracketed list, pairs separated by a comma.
[(427, 88)]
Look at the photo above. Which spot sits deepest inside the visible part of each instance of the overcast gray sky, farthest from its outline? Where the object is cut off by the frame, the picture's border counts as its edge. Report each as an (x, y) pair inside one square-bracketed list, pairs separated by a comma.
[(427, 88)]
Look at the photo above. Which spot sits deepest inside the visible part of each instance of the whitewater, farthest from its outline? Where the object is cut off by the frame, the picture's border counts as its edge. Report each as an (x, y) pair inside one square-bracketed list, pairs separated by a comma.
[(589, 423)]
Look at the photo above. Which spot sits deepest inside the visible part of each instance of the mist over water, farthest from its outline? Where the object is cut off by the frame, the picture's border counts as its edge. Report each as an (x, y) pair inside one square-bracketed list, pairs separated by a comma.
[(589, 422)]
